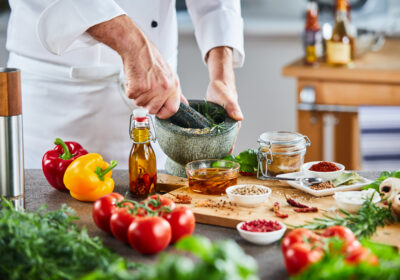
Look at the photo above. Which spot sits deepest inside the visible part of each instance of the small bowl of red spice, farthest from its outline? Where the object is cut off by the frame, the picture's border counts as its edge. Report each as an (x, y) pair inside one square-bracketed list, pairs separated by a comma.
[(325, 170), (261, 231)]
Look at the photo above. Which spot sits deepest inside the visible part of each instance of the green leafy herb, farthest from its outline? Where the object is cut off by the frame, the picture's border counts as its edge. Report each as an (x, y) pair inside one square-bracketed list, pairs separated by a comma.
[(383, 176), (333, 266), (247, 159), (363, 223), (215, 115), (48, 245)]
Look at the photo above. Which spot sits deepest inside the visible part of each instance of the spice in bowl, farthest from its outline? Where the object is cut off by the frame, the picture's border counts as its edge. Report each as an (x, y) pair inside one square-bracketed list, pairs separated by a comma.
[(261, 231), (250, 190), (261, 226), (248, 195), (324, 166), (325, 170)]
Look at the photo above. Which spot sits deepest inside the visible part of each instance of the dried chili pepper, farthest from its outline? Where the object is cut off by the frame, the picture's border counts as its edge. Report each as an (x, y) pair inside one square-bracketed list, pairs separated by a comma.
[(295, 203), (306, 210), (276, 209), (182, 199)]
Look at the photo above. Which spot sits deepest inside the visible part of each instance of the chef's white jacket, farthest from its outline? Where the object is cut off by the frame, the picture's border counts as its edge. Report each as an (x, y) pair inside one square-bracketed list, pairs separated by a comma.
[(55, 30), (67, 75)]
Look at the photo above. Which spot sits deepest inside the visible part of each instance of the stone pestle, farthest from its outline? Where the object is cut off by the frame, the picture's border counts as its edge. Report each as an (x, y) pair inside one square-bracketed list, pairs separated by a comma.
[(187, 117)]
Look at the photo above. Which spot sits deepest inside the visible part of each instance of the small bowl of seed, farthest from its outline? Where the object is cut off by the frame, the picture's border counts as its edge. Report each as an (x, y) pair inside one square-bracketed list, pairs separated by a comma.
[(248, 195)]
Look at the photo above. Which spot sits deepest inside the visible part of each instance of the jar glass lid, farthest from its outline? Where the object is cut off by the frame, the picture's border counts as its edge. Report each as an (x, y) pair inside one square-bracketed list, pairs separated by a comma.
[(281, 138)]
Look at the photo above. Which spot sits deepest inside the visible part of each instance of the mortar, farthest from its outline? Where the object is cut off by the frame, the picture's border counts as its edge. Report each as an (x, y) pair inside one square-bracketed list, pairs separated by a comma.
[(183, 145)]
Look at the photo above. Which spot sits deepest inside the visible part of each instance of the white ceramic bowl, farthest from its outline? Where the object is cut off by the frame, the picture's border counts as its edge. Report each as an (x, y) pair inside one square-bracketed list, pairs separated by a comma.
[(248, 200), (326, 176), (352, 201), (261, 238)]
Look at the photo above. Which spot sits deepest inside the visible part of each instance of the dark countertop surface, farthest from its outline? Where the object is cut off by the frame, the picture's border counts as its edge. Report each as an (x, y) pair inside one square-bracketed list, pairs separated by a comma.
[(38, 191)]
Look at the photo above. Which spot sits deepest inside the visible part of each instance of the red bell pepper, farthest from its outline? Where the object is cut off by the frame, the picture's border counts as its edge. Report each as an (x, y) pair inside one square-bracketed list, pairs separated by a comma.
[(56, 161)]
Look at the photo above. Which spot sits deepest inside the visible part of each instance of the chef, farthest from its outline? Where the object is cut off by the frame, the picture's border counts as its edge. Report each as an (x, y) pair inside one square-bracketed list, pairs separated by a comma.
[(86, 64)]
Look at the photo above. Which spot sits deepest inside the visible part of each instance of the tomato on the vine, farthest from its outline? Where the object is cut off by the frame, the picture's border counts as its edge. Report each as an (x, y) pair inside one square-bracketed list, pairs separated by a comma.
[(120, 221), (362, 254), (299, 256), (343, 233), (103, 208), (300, 235), (182, 222), (149, 235), (160, 201)]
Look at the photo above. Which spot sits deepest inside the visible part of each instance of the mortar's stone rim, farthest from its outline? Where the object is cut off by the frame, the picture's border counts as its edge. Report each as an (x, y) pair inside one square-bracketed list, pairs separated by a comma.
[(169, 126)]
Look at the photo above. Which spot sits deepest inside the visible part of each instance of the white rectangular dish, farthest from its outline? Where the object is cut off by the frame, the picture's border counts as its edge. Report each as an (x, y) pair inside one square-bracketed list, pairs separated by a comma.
[(300, 186)]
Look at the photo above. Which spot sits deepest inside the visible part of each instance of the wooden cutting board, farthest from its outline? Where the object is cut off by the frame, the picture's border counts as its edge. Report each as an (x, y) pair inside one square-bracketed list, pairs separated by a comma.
[(216, 210)]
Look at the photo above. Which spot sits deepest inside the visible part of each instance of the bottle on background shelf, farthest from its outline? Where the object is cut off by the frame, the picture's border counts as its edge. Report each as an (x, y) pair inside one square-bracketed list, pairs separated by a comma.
[(312, 35), (142, 159), (340, 48)]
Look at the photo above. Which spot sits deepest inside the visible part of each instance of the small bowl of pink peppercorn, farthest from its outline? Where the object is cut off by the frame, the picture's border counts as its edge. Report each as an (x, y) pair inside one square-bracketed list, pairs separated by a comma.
[(261, 232)]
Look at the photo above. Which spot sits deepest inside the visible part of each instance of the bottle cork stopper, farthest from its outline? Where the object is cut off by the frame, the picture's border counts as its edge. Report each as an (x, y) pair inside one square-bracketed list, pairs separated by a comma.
[(10, 92)]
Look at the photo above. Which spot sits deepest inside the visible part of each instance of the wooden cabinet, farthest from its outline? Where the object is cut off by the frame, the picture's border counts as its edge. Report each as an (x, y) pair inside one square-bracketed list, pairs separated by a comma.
[(323, 91)]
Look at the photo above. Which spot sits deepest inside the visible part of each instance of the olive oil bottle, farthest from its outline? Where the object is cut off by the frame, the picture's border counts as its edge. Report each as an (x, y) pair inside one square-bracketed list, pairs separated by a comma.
[(142, 159), (340, 48)]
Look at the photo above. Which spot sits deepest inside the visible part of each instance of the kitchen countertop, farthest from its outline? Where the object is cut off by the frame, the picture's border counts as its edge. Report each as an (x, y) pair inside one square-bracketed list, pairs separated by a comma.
[(38, 191)]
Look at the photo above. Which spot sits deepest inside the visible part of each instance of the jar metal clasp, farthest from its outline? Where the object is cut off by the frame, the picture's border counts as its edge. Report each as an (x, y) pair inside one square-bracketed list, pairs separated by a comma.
[(261, 156)]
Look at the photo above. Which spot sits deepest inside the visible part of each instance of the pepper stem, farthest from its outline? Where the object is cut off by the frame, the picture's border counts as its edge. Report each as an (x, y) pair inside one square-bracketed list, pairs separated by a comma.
[(67, 154), (100, 172)]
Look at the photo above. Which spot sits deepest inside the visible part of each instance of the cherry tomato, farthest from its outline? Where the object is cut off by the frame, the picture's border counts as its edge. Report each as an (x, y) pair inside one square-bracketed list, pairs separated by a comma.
[(300, 235), (345, 234), (149, 235), (120, 221), (162, 201), (299, 256), (341, 232), (362, 254), (182, 222), (103, 208)]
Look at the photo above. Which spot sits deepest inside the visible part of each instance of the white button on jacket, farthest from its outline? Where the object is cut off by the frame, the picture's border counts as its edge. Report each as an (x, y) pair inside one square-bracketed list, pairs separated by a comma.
[(47, 39)]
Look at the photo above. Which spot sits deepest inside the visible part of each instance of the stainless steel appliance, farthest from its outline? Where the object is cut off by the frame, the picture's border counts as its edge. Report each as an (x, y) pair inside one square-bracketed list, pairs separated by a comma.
[(11, 143)]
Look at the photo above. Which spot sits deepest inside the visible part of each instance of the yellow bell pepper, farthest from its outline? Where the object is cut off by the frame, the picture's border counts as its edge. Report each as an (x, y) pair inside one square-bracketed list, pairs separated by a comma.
[(89, 177)]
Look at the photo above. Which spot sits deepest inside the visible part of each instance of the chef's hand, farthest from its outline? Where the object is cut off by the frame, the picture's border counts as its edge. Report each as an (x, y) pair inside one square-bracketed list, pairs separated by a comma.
[(150, 81), (222, 87)]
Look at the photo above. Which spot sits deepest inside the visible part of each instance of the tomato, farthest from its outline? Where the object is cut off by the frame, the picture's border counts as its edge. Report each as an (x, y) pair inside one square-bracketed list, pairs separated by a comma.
[(299, 235), (120, 221), (299, 256), (341, 232), (182, 222), (345, 234), (103, 208), (161, 201), (362, 254), (149, 235)]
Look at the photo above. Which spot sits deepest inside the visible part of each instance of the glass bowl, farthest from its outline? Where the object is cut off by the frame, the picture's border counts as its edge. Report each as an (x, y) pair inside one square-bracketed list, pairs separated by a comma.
[(212, 176)]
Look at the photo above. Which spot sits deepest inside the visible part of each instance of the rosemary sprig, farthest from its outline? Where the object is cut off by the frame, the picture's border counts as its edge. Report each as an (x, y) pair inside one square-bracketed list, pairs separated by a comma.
[(363, 223), (213, 116)]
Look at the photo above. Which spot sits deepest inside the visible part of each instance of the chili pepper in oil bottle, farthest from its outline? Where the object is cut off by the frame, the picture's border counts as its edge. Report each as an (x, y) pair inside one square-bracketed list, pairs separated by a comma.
[(312, 35), (142, 159)]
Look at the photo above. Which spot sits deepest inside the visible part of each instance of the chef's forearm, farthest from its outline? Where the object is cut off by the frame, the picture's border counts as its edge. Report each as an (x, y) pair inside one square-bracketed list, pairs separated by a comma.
[(220, 65), (120, 34)]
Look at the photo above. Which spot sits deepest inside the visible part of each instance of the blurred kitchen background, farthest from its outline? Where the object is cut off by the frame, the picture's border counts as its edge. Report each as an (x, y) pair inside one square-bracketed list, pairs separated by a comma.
[(272, 31)]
